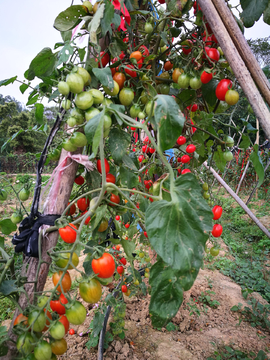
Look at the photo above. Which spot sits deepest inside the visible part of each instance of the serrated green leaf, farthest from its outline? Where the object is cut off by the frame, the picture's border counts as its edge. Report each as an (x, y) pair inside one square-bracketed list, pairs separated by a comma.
[(104, 76), (252, 11), (69, 18), (118, 143), (128, 178), (42, 65), (257, 163), (98, 323), (209, 92), (7, 226), (94, 24), (8, 287), (39, 113), (8, 81), (169, 119), (178, 230), (107, 19)]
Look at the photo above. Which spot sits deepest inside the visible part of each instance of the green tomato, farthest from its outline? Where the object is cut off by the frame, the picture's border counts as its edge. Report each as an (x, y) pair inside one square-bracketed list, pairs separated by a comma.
[(76, 313), (3, 194), (105, 103), (24, 194), (68, 146), (16, 217), (141, 115), (39, 320), (126, 96), (229, 141), (42, 301), (75, 82), (78, 139), (57, 331), (84, 74), (25, 343), (106, 132), (107, 121), (66, 104), (146, 275), (206, 195), (136, 282), (149, 109), (90, 113), (148, 28), (144, 97), (214, 251), (114, 91), (147, 259), (72, 122), (183, 81), (195, 83), (88, 5), (84, 100), (231, 97), (55, 155), (97, 96), (228, 156), (78, 115), (205, 186), (141, 255), (63, 88), (43, 350), (134, 110)]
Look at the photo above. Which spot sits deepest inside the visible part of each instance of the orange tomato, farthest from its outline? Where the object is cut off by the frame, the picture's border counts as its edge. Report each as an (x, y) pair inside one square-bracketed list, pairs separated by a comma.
[(21, 319), (66, 281), (120, 78), (176, 73), (136, 55)]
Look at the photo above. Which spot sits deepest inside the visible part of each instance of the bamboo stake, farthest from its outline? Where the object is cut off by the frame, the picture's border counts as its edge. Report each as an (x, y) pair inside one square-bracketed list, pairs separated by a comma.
[(237, 64), (238, 200), (243, 48)]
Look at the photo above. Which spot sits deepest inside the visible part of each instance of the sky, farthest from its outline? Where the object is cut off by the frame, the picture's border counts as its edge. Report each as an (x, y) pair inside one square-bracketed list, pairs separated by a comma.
[(27, 28)]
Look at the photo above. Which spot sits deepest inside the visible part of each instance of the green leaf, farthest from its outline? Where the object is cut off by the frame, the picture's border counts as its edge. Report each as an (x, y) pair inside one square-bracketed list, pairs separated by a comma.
[(98, 323), (244, 144), (169, 119), (187, 97), (11, 138), (32, 100), (104, 76), (118, 142), (100, 213), (129, 247), (69, 18), (94, 24), (39, 113), (219, 159), (128, 178), (171, 327), (93, 130), (209, 92), (2, 242), (178, 230), (107, 19), (8, 287), (129, 163), (252, 11), (66, 35), (42, 65), (23, 88), (7, 226), (166, 294), (261, 355), (8, 81), (64, 54), (87, 265), (257, 163), (81, 53)]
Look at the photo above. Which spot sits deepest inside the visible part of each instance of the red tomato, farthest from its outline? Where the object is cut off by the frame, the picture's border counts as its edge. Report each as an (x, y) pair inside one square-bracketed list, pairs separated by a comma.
[(127, 226), (185, 171), (212, 53), (181, 140), (123, 261), (217, 212), (194, 108), (187, 48), (190, 148), (117, 217), (67, 234), (118, 247), (217, 230), (140, 158), (105, 58), (71, 210), (79, 180), (131, 72), (71, 332), (168, 66), (104, 266), (120, 270), (21, 319), (223, 86), (144, 50), (124, 288), (206, 77), (63, 319), (114, 199), (110, 178), (56, 305), (83, 203), (107, 166), (185, 159), (145, 234), (87, 220)]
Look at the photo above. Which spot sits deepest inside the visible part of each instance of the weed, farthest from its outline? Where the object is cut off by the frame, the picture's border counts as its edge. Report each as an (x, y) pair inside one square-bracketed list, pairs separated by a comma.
[(205, 298), (229, 353)]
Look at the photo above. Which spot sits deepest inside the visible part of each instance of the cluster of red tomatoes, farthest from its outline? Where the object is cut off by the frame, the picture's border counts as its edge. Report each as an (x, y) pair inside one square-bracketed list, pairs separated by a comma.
[(184, 159)]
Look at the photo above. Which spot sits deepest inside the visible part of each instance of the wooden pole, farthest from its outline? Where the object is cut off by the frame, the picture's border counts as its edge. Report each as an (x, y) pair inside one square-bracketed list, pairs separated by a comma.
[(243, 48), (238, 200), (237, 64)]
